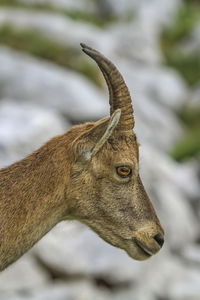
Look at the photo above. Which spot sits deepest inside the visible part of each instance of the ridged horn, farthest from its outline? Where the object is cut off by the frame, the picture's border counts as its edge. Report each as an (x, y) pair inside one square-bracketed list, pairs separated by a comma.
[(118, 91)]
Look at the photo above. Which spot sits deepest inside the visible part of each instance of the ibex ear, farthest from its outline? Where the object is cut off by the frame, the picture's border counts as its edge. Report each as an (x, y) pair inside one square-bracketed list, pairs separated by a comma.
[(92, 141)]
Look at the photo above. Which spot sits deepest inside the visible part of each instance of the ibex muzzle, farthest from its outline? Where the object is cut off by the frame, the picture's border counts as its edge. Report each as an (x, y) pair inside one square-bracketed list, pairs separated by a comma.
[(89, 174)]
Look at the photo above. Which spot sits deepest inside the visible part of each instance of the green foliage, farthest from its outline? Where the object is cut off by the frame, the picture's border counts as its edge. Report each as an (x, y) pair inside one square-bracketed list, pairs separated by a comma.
[(9, 3), (18, 4), (190, 116), (189, 145), (33, 42), (187, 64), (93, 19)]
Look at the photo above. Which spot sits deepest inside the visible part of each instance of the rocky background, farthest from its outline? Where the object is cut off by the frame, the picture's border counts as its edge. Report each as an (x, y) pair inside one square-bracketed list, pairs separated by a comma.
[(47, 85)]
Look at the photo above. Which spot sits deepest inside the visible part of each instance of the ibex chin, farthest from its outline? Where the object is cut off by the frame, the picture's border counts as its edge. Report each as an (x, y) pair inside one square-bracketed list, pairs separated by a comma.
[(90, 174)]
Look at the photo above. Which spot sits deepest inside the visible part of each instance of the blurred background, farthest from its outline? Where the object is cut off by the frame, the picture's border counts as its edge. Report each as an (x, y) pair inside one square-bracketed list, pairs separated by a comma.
[(47, 84)]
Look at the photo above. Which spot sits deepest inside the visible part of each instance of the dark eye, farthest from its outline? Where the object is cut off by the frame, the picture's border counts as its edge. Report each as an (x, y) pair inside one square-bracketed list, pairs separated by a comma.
[(124, 171)]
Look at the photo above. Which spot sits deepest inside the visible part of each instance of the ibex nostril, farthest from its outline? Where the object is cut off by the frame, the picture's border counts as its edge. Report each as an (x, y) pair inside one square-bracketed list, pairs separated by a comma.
[(159, 239)]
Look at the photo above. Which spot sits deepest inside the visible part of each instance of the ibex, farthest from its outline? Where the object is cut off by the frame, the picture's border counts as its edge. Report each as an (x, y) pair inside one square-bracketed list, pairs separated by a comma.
[(89, 174)]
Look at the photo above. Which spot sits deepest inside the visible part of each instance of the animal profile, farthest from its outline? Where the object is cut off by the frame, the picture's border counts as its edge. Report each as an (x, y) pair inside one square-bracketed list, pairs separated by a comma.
[(90, 174)]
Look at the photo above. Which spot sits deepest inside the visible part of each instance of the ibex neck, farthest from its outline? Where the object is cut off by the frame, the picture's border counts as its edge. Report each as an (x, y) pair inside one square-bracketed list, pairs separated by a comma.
[(31, 201)]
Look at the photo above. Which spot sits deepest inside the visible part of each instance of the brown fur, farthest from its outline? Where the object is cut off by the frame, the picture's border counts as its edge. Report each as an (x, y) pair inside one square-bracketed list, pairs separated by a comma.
[(59, 181)]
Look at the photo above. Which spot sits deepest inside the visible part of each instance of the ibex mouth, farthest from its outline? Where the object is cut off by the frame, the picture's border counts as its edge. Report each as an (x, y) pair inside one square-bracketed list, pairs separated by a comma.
[(144, 248), (149, 239)]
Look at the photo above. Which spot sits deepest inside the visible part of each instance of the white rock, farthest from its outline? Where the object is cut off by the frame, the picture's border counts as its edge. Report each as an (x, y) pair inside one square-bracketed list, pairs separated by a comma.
[(58, 291), (74, 249), (135, 41), (152, 12), (25, 274), (168, 277), (155, 125), (49, 85), (81, 290), (186, 286), (24, 127), (192, 254), (177, 216), (79, 5), (54, 26), (162, 84), (183, 176), (167, 184)]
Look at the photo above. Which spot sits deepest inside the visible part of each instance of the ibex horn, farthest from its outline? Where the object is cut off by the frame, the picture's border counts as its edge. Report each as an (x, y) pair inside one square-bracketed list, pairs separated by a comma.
[(119, 94)]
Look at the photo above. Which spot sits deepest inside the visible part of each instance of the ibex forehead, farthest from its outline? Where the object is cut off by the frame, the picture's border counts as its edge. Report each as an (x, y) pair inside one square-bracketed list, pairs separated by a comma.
[(126, 147), (119, 153)]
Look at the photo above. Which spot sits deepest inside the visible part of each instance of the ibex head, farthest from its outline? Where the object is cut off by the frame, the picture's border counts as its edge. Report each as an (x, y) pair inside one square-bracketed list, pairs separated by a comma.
[(90, 174), (106, 190)]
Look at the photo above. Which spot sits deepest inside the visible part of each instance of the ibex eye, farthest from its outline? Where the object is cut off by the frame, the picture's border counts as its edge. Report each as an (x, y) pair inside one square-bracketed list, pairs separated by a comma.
[(124, 171)]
